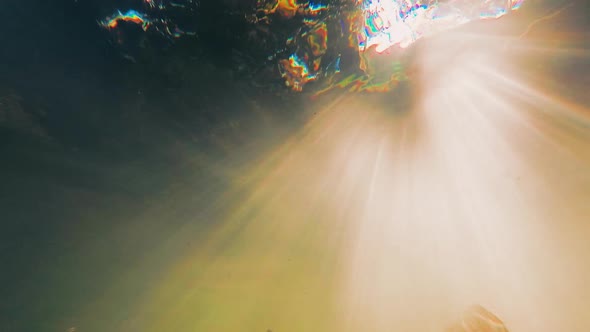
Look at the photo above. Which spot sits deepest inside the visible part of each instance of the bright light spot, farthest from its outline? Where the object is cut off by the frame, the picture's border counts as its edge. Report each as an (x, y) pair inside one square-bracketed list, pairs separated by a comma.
[(387, 23)]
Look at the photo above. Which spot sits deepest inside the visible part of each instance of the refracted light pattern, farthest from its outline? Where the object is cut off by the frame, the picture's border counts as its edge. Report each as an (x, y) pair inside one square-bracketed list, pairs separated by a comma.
[(129, 16), (304, 65), (290, 8), (295, 72), (327, 30), (383, 25), (153, 17), (387, 23)]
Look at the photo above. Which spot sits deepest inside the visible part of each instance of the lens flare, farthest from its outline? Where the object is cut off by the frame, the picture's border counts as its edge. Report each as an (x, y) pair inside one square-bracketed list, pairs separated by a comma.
[(391, 212)]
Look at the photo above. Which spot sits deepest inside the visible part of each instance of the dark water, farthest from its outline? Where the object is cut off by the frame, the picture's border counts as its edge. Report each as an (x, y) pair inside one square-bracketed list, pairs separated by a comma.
[(92, 140)]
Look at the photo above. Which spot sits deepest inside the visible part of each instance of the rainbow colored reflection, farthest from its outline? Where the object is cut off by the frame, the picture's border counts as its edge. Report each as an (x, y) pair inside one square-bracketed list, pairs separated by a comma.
[(154, 16), (129, 16), (323, 34), (372, 27), (388, 23), (295, 72), (290, 8)]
